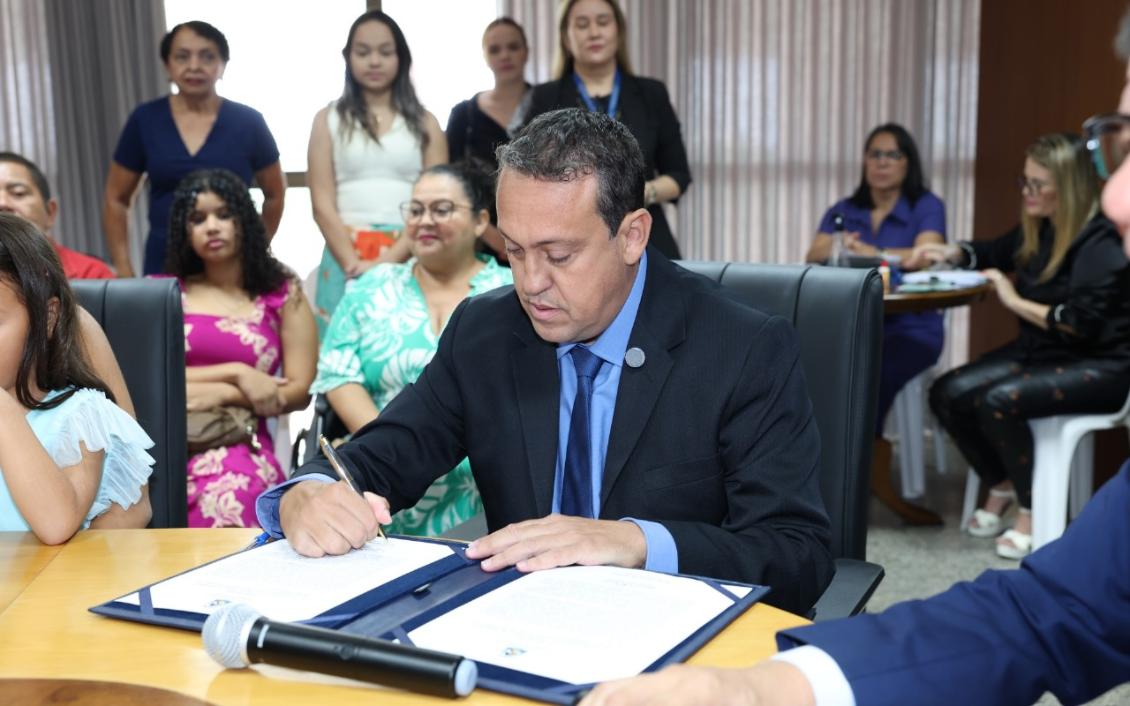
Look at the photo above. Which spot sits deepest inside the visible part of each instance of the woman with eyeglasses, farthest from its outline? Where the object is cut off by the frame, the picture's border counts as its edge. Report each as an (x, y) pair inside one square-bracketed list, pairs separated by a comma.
[(1071, 293), (387, 326), (891, 212), (194, 128), (366, 149)]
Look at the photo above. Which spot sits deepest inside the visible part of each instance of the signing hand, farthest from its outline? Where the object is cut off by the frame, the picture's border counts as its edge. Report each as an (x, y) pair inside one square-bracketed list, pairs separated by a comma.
[(559, 540), (764, 684), (1003, 287), (330, 518), (262, 390)]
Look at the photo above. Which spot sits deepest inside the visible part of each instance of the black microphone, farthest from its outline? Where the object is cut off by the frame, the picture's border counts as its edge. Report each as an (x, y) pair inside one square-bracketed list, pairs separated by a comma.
[(237, 637)]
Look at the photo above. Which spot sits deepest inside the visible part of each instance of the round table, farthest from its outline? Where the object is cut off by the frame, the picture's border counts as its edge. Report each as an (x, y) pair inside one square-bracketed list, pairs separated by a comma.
[(903, 302)]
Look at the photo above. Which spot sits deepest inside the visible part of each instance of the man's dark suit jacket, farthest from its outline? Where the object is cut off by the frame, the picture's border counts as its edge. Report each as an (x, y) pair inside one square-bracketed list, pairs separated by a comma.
[(645, 109), (1059, 623), (713, 436)]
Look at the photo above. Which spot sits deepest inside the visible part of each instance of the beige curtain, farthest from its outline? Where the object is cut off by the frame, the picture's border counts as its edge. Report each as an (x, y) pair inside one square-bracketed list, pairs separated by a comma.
[(70, 72), (776, 97), (27, 114), (104, 61)]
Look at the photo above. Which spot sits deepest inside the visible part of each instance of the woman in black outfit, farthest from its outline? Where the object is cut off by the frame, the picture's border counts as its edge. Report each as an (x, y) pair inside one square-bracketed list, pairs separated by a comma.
[(593, 73), (478, 125), (1072, 296)]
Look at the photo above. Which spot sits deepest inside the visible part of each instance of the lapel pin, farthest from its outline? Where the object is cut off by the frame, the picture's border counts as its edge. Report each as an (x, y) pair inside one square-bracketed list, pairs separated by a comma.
[(634, 357)]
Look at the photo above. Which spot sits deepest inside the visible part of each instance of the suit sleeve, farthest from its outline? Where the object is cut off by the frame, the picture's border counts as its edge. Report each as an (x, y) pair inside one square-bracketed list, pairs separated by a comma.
[(775, 532), (671, 158), (1059, 623), (418, 436)]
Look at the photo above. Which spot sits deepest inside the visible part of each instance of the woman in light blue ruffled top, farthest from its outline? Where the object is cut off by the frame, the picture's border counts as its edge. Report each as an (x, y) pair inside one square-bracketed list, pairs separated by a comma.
[(67, 452)]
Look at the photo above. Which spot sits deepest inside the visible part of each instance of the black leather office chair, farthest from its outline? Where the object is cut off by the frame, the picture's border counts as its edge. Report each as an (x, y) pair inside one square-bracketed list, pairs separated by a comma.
[(145, 324), (838, 316), (325, 421)]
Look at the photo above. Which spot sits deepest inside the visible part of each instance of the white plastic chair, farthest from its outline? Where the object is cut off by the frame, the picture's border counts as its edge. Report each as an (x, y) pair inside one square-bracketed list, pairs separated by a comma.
[(910, 420), (1063, 470)]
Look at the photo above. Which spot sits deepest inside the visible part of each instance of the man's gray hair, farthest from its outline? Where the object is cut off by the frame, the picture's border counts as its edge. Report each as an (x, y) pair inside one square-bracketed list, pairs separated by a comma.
[(569, 144)]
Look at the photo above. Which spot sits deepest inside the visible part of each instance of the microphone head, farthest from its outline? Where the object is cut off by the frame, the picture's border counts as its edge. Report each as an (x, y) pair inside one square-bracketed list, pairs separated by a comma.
[(225, 634)]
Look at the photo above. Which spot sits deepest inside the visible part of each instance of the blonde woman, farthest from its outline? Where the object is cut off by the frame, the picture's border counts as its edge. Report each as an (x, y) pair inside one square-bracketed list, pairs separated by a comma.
[(1072, 296), (592, 72)]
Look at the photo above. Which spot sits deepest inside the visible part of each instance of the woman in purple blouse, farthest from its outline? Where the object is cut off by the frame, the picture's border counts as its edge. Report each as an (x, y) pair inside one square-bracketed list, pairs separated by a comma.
[(890, 213)]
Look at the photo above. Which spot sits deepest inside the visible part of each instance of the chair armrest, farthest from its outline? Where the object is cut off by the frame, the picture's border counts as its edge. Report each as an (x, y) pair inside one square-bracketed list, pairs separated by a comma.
[(851, 588)]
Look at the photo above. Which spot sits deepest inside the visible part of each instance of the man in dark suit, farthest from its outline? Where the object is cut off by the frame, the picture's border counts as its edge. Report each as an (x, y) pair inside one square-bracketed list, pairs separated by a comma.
[(1059, 623), (689, 445)]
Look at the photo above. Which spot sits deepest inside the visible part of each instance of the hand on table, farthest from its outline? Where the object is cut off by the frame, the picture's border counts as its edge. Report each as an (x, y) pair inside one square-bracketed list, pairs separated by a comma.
[(330, 518), (1002, 285), (765, 684), (930, 253), (560, 540)]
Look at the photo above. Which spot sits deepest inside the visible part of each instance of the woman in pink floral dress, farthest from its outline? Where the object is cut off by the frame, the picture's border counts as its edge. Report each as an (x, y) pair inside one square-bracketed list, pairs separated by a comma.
[(250, 339)]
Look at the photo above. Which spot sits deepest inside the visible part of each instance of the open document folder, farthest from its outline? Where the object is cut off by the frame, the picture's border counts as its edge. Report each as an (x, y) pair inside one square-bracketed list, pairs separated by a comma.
[(544, 635)]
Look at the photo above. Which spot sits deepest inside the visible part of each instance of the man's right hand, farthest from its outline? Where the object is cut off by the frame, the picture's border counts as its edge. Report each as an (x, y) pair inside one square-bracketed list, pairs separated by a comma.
[(330, 518)]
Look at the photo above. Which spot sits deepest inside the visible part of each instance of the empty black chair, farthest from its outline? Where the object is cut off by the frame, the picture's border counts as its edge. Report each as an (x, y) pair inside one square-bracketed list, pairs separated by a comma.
[(144, 322), (838, 316)]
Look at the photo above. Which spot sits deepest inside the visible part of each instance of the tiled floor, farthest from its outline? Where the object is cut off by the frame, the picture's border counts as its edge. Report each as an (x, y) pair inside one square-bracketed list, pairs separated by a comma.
[(920, 562)]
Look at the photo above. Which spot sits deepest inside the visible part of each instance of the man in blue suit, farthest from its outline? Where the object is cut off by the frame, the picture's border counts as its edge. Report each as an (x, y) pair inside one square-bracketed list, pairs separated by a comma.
[(1059, 623)]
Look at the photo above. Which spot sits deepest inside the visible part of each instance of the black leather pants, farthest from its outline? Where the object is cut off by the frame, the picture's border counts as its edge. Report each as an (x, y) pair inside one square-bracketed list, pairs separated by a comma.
[(985, 406)]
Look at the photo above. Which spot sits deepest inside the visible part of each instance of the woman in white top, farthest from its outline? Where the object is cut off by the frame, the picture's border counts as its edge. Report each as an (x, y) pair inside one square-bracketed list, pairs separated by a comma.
[(366, 150)]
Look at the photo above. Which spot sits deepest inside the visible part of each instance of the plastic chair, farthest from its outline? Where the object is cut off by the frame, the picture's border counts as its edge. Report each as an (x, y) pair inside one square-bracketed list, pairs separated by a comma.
[(910, 419), (1062, 476)]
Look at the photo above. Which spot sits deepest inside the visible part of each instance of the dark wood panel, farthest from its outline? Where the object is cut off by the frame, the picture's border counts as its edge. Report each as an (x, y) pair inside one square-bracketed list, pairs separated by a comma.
[(1045, 66)]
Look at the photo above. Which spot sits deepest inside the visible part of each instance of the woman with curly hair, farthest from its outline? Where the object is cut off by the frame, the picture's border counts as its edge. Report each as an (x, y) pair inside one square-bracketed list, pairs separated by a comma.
[(250, 340)]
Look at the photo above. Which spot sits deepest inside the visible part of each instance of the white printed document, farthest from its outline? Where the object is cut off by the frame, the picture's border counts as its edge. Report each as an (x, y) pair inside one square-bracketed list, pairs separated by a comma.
[(578, 624), (283, 585)]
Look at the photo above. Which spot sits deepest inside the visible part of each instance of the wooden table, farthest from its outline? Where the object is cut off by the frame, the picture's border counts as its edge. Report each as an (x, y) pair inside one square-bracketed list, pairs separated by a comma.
[(48, 632), (903, 302)]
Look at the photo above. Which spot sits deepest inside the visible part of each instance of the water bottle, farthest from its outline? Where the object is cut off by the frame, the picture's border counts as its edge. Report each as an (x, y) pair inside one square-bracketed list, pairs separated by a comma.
[(835, 259)]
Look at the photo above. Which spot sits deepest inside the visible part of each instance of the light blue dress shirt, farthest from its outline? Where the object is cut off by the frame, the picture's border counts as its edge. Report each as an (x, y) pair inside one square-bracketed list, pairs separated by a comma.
[(610, 346)]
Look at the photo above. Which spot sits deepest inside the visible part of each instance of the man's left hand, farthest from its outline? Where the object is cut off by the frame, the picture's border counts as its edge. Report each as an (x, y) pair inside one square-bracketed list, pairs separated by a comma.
[(560, 540)]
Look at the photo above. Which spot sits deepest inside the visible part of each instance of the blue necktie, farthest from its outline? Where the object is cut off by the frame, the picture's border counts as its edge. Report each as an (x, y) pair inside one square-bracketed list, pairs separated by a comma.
[(576, 486)]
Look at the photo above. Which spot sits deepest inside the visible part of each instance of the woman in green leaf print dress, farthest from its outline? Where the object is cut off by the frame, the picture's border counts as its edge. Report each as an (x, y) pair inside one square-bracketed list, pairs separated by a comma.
[(387, 326)]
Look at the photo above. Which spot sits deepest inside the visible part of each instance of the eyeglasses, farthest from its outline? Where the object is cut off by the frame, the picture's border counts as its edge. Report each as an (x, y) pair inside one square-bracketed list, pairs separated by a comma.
[(413, 211), (1108, 140), (879, 155), (1031, 186)]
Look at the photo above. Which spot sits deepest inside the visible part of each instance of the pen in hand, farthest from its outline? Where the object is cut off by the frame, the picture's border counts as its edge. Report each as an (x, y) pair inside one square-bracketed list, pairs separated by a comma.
[(339, 468)]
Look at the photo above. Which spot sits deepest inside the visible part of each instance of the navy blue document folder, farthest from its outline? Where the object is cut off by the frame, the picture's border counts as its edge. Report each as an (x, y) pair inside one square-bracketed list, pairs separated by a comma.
[(394, 609)]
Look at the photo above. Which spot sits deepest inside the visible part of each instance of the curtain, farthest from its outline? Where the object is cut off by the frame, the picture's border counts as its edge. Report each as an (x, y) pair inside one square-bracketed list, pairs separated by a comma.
[(104, 62), (27, 112), (776, 97)]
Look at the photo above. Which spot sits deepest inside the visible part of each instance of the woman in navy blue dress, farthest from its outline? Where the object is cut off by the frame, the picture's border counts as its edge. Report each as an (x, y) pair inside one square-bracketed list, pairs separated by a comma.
[(890, 213), (191, 129)]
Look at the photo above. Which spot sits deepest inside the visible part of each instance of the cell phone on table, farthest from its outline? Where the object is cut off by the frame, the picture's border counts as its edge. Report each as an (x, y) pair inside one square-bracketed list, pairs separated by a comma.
[(339, 467)]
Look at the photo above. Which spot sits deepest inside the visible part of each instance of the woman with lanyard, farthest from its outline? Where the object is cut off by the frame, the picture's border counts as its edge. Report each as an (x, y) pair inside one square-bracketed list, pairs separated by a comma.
[(593, 72)]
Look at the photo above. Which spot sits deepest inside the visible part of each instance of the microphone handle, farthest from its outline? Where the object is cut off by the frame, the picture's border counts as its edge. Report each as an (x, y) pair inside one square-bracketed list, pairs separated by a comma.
[(375, 661)]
